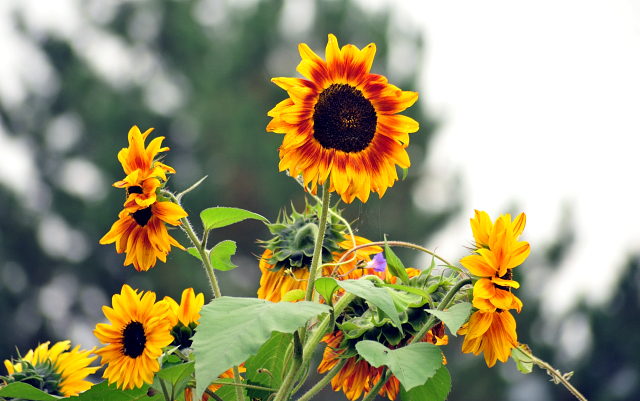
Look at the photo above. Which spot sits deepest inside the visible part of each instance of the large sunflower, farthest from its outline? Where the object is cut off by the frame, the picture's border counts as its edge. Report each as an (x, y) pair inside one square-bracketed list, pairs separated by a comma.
[(54, 370), (497, 252), (139, 329), (491, 332), (341, 124), (143, 235)]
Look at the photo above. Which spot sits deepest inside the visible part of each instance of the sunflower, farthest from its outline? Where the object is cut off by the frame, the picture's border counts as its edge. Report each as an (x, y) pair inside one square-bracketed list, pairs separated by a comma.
[(139, 329), (184, 317), (341, 124), (54, 370), (497, 252), (143, 171), (491, 332), (275, 282), (143, 236)]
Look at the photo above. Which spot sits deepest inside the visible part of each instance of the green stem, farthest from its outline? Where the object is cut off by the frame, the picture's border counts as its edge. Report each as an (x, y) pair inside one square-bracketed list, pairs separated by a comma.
[(244, 385), (289, 380), (237, 381), (557, 376), (441, 306), (188, 229), (317, 251), (376, 389), (165, 391), (213, 395), (393, 243), (325, 380)]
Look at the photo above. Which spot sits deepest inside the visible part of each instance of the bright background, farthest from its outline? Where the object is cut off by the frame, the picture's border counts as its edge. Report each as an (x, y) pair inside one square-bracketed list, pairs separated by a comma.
[(524, 107)]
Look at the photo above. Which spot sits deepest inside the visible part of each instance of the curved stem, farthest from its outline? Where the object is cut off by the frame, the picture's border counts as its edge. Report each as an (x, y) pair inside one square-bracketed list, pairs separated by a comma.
[(376, 389), (557, 376), (394, 243), (325, 380), (206, 262)]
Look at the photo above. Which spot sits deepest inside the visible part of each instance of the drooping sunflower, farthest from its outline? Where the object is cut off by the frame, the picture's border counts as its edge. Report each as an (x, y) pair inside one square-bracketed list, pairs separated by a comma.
[(341, 123), (144, 171), (143, 235), (54, 370), (497, 252), (139, 329), (491, 332), (286, 261)]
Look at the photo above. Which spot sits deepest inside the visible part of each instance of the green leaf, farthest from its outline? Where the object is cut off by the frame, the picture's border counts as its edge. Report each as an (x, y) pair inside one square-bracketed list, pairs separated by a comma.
[(228, 393), (404, 173), (378, 296), (194, 252), (272, 357), (177, 376), (326, 286), (523, 362), (217, 217), (454, 317), (26, 392), (221, 255), (293, 295), (411, 365), (403, 300), (395, 264), (233, 329), (104, 392), (436, 388)]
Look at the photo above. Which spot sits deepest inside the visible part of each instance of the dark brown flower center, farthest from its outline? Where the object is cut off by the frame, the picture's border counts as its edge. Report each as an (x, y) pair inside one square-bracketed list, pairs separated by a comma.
[(343, 119), (133, 339), (507, 276), (134, 190), (142, 216)]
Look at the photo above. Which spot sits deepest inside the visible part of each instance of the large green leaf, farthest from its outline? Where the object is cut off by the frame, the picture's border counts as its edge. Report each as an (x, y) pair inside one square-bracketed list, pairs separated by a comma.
[(378, 296), (435, 389), (221, 255), (233, 329), (454, 317), (271, 357), (104, 392), (412, 365), (217, 217), (25, 391), (394, 264)]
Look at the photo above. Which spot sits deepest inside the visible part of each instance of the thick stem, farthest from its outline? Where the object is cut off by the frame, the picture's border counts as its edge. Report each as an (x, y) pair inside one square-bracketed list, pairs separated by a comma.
[(317, 251), (557, 376), (376, 389), (325, 380), (289, 380), (441, 306), (165, 391), (238, 382), (245, 385), (392, 243), (213, 395)]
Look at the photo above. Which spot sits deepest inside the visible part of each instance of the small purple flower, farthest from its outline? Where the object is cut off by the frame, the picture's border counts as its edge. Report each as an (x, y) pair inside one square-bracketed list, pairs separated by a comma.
[(379, 263)]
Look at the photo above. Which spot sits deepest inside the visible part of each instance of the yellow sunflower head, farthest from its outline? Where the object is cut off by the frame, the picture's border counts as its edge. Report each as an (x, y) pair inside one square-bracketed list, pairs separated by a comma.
[(184, 317), (143, 234), (138, 331), (54, 370), (491, 332), (144, 171), (341, 124), (497, 252)]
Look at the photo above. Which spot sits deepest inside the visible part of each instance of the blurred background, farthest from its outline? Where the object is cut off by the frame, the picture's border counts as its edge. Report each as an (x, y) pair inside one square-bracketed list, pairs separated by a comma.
[(523, 108)]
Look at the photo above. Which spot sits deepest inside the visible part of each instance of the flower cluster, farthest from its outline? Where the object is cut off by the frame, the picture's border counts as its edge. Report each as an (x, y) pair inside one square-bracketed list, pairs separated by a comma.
[(492, 328), (140, 230)]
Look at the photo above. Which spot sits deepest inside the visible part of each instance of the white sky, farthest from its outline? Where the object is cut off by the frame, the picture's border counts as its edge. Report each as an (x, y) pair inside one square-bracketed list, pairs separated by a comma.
[(540, 104)]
